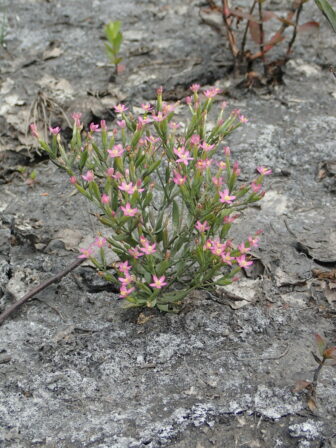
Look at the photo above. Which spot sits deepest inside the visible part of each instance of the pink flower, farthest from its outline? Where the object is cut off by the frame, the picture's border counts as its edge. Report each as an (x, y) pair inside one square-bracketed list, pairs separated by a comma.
[(223, 105), (211, 93), (103, 125), (128, 211), (55, 130), (128, 188), (127, 280), (229, 219), (152, 139), (217, 181), (256, 187), (159, 117), (147, 107), (254, 242), (188, 100), (195, 87), (243, 119), (203, 164), (227, 151), (242, 248), (105, 199), (124, 292), (135, 252), (195, 139), (73, 180), (94, 127), (264, 171), (158, 283), (173, 126), (89, 176), (100, 242), (226, 258), (149, 249), (110, 172), (225, 197), (221, 165), (77, 117), (242, 262), (121, 124), (178, 179), (86, 253), (236, 168), (120, 108), (206, 147), (236, 112), (142, 121), (183, 155), (117, 151), (33, 130), (124, 267), (202, 227), (217, 248)]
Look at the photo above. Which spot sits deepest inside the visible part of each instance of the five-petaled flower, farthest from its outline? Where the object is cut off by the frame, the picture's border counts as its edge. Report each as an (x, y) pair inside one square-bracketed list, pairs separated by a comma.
[(116, 151), (85, 253), (100, 242), (242, 262), (124, 292), (264, 171), (211, 93), (128, 211), (195, 87), (89, 176), (158, 283), (202, 227), (55, 130), (120, 108), (178, 179), (225, 197)]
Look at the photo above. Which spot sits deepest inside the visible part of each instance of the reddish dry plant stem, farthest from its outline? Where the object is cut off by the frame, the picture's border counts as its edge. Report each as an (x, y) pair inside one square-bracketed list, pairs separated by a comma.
[(242, 49), (230, 33), (56, 278), (261, 31), (294, 30)]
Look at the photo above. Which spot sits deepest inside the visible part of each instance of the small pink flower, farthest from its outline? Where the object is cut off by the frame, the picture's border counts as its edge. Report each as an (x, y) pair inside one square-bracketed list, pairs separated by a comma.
[(221, 165), (128, 211), (149, 249), (207, 245), (124, 267), (242, 262), (152, 139), (254, 242), (159, 117), (89, 176), (147, 107), (223, 105), (94, 127), (236, 168), (135, 252), (227, 151), (206, 147), (173, 126), (120, 108), (264, 171), (242, 248), (202, 227), (183, 155), (195, 139), (103, 125), (211, 93), (178, 179), (33, 130), (225, 197), (203, 164), (158, 283), (236, 112), (217, 248), (86, 253), (230, 219), (142, 121), (128, 188), (77, 117), (121, 124), (188, 100), (110, 172), (226, 258), (73, 180), (105, 199), (217, 181), (55, 130), (195, 87), (100, 242), (124, 292), (243, 119), (127, 280), (117, 151), (256, 187)]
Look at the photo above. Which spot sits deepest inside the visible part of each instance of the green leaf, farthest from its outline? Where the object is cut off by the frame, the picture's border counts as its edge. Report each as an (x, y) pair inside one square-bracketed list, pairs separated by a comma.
[(328, 12), (223, 281), (176, 215), (321, 343)]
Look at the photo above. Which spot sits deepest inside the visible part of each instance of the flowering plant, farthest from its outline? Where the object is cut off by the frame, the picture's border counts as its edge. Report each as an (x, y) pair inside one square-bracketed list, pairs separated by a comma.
[(167, 192)]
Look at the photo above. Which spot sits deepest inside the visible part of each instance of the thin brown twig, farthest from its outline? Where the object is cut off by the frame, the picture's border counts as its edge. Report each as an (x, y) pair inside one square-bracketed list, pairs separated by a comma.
[(230, 33), (242, 48), (262, 41), (56, 278), (291, 42)]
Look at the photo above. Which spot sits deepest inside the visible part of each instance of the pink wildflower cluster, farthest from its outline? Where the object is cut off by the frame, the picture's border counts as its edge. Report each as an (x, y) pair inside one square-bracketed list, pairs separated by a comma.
[(226, 250), (88, 252)]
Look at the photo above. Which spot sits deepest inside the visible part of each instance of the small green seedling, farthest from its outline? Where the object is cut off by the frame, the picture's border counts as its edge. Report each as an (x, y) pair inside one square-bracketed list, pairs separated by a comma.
[(114, 37)]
